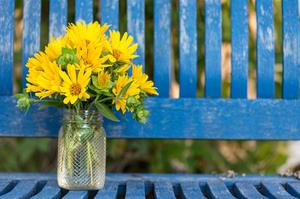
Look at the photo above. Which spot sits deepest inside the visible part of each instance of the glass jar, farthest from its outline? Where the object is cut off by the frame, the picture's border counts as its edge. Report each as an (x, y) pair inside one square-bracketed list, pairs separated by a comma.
[(81, 151)]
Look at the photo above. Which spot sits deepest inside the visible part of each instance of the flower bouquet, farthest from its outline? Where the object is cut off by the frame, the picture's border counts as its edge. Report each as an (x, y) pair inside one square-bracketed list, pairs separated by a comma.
[(86, 71)]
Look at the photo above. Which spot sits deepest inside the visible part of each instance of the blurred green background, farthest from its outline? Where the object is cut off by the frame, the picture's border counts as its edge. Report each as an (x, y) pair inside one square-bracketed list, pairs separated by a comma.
[(23, 154)]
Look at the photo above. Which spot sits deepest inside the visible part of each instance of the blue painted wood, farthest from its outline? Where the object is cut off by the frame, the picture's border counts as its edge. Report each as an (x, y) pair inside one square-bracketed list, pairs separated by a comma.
[(191, 190), (24, 189), (275, 191), (135, 190), (6, 46), (84, 10), (245, 190), (291, 62), (213, 44), (265, 55), (58, 17), (6, 186), (163, 190), (217, 190), (188, 47), (136, 27), (31, 32), (110, 13), (110, 191), (76, 194), (293, 188), (239, 48), (49, 191), (162, 45)]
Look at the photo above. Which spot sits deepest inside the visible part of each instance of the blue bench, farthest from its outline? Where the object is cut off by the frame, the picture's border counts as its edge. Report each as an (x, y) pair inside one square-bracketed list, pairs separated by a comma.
[(211, 117)]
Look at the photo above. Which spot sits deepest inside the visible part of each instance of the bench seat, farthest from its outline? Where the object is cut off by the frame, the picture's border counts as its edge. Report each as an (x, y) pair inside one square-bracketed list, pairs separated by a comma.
[(164, 186)]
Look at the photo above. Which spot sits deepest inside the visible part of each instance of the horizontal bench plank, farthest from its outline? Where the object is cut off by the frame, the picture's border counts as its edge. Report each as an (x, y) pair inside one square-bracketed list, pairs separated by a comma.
[(264, 119)]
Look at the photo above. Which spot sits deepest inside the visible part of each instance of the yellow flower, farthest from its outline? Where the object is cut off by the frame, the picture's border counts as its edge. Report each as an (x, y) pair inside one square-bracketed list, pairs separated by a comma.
[(53, 49), (133, 90), (74, 86), (104, 79), (142, 80), (123, 69), (121, 49)]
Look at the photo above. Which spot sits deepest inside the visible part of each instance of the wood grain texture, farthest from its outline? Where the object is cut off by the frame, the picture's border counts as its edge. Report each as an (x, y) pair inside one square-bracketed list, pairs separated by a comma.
[(291, 65), (84, 10), (213, 44), (265, 54), (188, 47), (162, 46), (110, 13), (239, 48), (31, 32), (58, 17), (6, 46)]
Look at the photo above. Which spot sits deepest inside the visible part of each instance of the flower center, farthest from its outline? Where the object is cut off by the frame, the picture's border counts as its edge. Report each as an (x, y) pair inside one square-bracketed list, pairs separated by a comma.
[(75, 89), (116, 53)]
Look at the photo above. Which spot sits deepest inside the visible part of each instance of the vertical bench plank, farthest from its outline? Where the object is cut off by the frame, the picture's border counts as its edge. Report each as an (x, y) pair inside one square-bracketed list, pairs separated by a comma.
[(188, 47), (265, 49), (58, 17), (163, 190), (213, 45), (50, 190), (275, 190), (218, 190), (110, 13), (136, 27), (84, 10), (239, 48), (77, 195), (247, 190), (162, 24), (110, 191), (31, 32), (6, 46), (191, 190), (135, 190), (290, 29)]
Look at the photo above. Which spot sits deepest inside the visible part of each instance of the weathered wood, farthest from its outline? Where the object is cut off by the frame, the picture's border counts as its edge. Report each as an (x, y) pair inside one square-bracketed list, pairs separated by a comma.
[(217, 190), (293, 188), (58, 17), (84, 10), (23, 189), (135, 190), (6, 46), (275, 190), (191, 190), (163, 190), (110, 191), (110, 13), (6, 186), (245, 190), (49, 191)]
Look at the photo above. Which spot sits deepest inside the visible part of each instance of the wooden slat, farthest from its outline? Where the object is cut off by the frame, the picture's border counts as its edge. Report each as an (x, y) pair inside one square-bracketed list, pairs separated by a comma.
[(163, 190), (135, 190), (31, 32), (58, 17), (110, 191), (213, 44), (293, 188), (136, 27), (265, 49), (188, 47), (191, 190), (24, 189), (162, 23), (6, 46), (110, 13), (6, 185), (49, 191), (76, 194), (246, 190), (239, 48), (275, 190), (84, 10), (290, 20), (218, 190)]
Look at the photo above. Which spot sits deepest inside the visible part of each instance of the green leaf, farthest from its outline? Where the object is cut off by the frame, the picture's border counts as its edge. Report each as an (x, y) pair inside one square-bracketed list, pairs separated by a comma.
[(54, 103), (123, 91), (106, 111), (95, 81)]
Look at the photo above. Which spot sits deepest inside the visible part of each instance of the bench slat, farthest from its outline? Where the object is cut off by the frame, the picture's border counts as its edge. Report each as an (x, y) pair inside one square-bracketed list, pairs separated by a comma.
[(163, 190), (49, 191), (290, 27), (23, 189), (191, 190), (58, 17), (239, 48), (135, 190), (77, 195), (293, 188), (265, 49), (31, 33), (275, 190), (110, 13), (84, 10), (136, 27), (110, 191), (6, 46), (188, 47), (162, 45), (5, 186), (218, 190), (213, 44), (246, 190)]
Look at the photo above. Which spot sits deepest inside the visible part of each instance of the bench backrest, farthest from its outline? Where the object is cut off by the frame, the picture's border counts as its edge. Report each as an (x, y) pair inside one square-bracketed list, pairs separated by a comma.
[(187, 117)]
